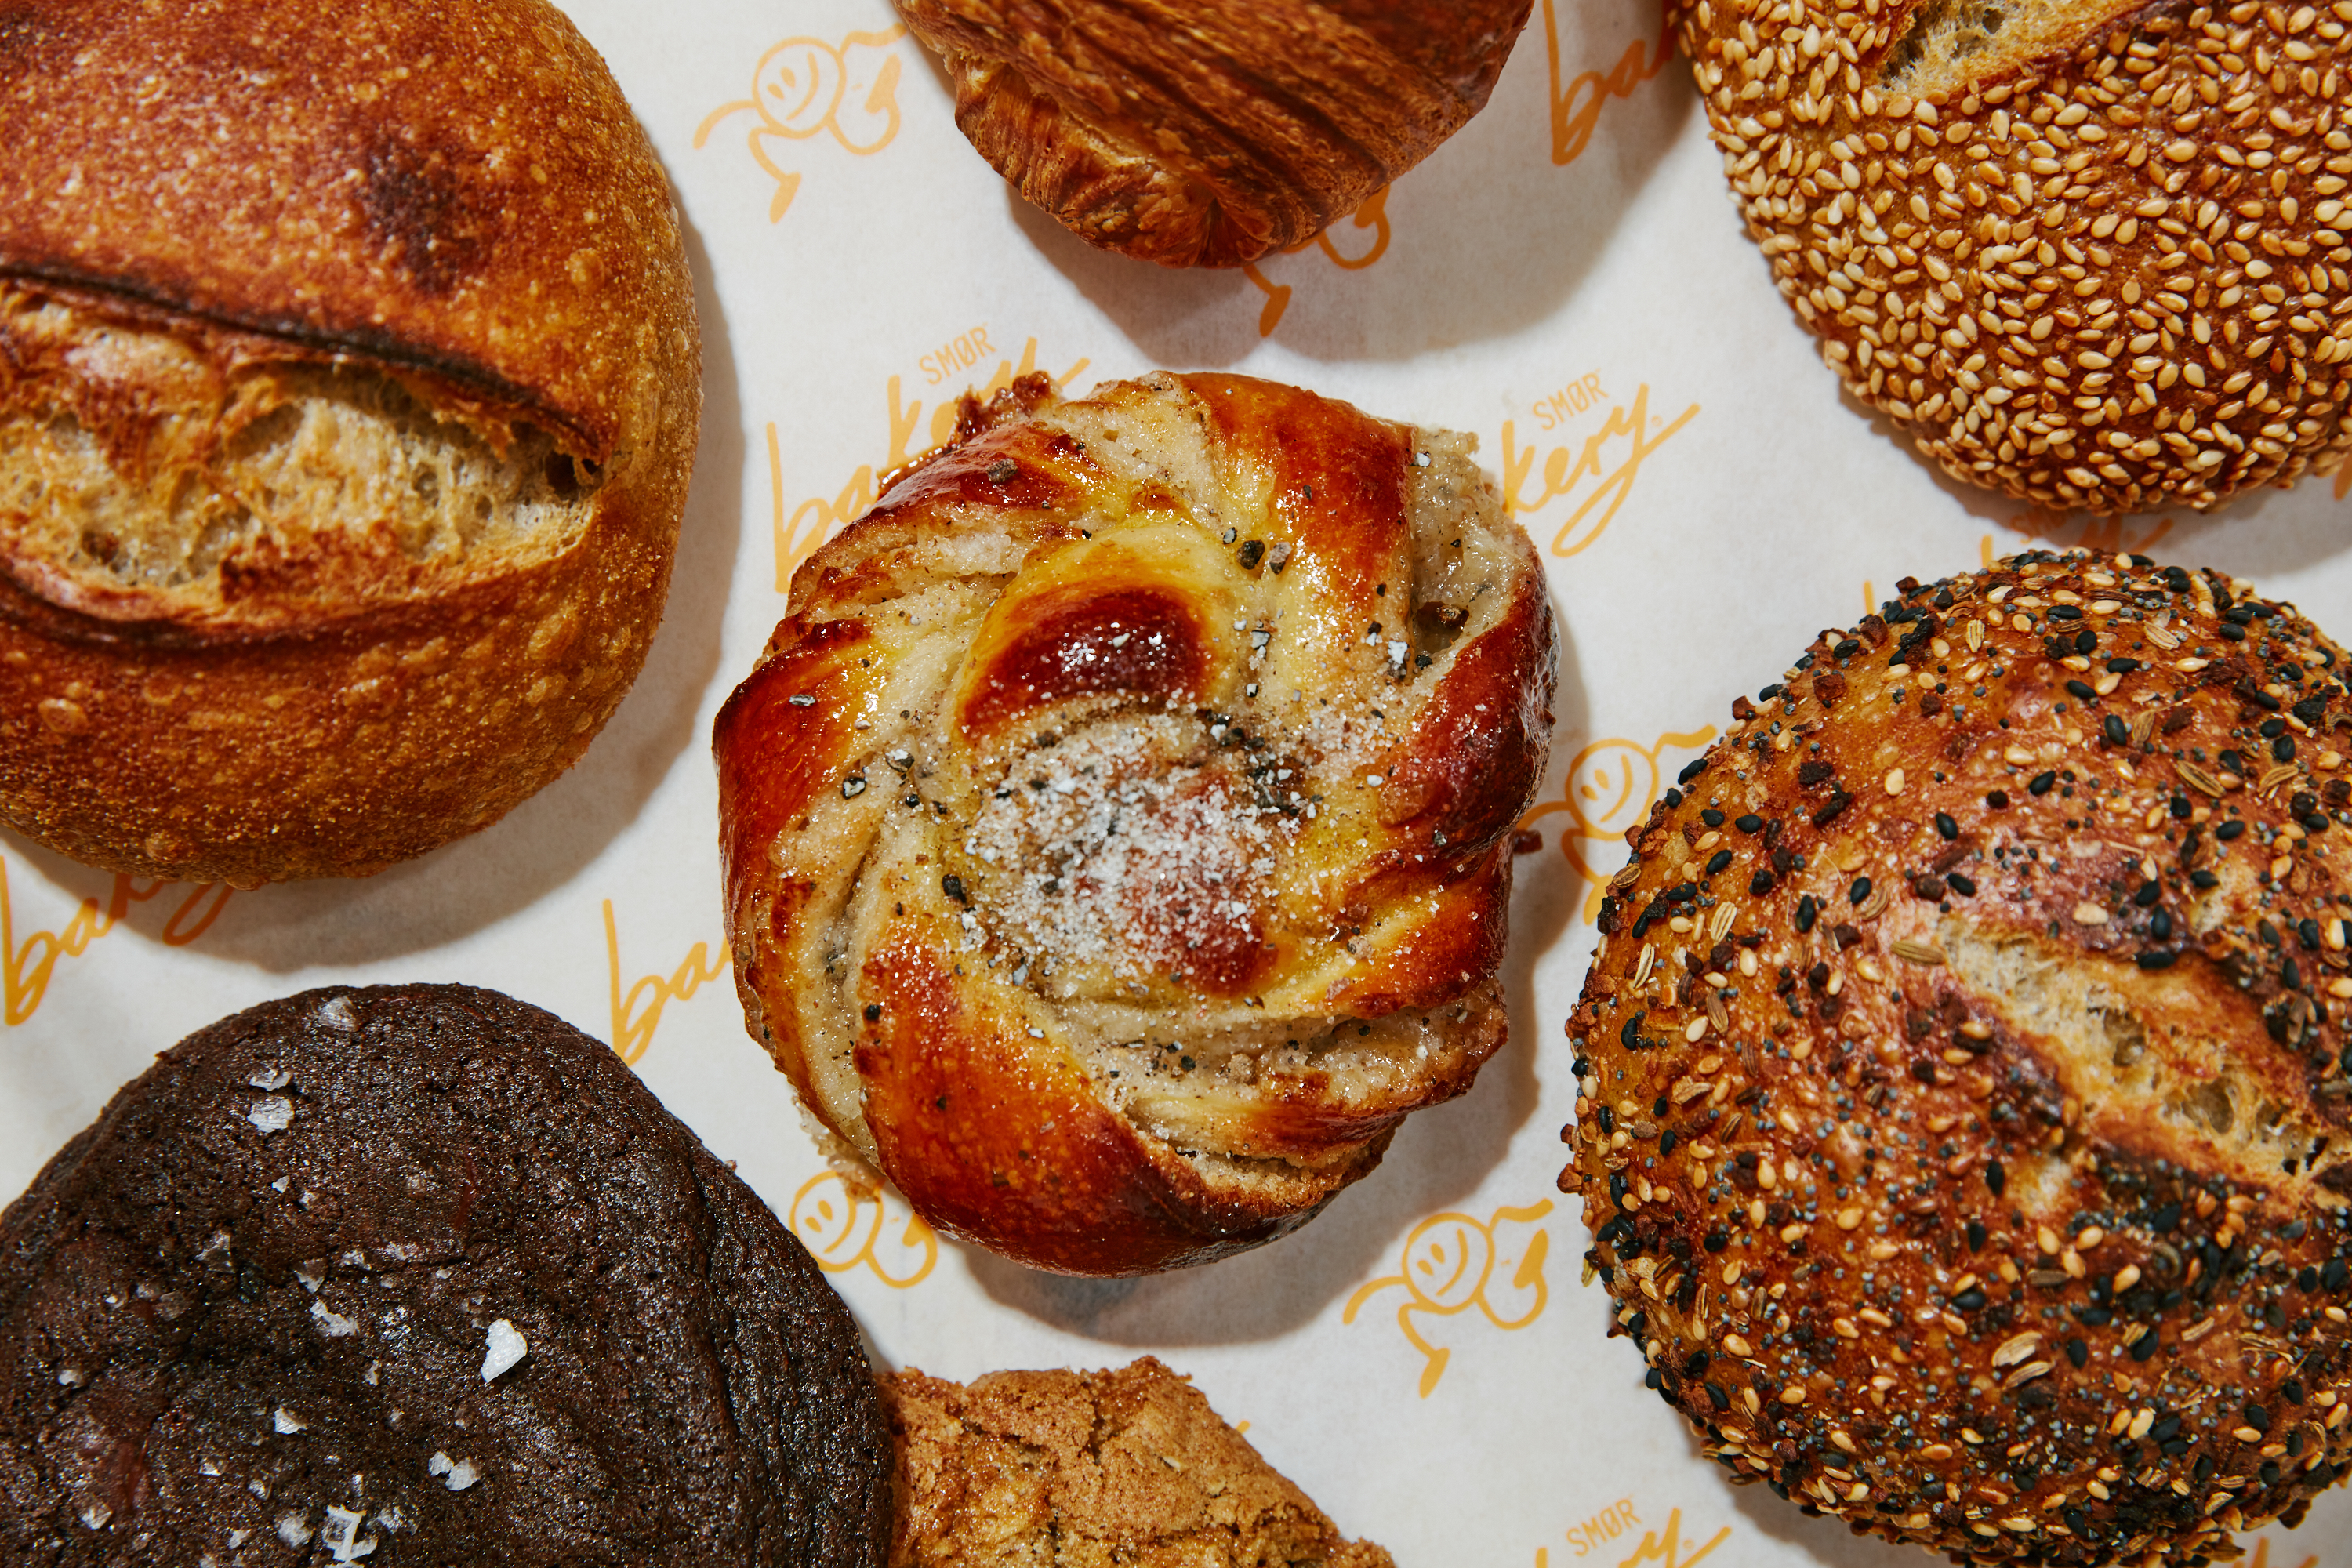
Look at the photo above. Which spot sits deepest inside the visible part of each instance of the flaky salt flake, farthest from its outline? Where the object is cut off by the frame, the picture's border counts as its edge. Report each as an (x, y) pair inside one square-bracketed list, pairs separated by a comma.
[(271, 1113), (337, 1012), (285, 1420), (342, 1535), (269, 1078), (456, 1474), (334, 1325), (294, 1529), (506, 1347)]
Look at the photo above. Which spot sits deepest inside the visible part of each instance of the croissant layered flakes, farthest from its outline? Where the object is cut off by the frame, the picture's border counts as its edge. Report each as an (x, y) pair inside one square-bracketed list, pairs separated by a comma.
[(1117, 830), (1209, 133)]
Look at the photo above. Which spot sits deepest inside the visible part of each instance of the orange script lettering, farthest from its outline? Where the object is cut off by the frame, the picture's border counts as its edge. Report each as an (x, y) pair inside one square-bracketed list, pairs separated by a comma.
[(1575, 111), (1586, 475), (636, 1017), (25, 972)]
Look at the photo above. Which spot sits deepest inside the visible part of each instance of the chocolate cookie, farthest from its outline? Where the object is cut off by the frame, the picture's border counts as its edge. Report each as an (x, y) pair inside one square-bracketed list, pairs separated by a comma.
[(419, 1274)]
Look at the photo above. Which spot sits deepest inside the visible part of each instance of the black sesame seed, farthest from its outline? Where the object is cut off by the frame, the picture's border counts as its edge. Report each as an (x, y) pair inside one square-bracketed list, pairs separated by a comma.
[(1997, 799), (2159, 926), (2164, 1219), (2078, 1352), (1619, 1188), (1607, 1117), (2229, 829), (1760, 883), (2182, 807), (1971, 1299), (1996, 1178), (2203, 879), (2258, 1418), (1946, 825), (1768, 693), (2269, 1472), (1721, 858), (2149, 893), (1691, 770), (1807, 911), (1711, 817), (2306, 1281), (2086, 641), (1846, 649), (1963, 885), (2175, 579), (1976, 1236), (2156, 958), (2144, 1346), (1751, 822), (1858, 892), (874, 1012), (2282, 749), (2293, 1389), (2043, 783), (1666, 1141), (2121, 665), (2231, 634), (2064, 613), (1717, 1397), (2117, 732), (2082, 691)]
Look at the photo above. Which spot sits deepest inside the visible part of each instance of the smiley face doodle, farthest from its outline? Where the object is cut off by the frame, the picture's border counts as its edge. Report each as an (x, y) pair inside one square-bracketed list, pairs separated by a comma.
[(1453, 1262), (1611, 786), (803, 86), (843, 1225)]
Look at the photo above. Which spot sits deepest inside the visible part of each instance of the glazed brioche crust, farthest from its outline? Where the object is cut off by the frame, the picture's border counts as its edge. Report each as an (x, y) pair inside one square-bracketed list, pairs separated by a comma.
[(1210, 132), (349, 386), (1963, 1112), (1128, 1465), (2086, 254), (1116, 832)]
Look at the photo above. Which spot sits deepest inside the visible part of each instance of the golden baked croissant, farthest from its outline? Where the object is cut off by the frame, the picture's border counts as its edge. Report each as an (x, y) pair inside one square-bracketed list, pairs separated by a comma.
[(1209, 132), (1116, 832)]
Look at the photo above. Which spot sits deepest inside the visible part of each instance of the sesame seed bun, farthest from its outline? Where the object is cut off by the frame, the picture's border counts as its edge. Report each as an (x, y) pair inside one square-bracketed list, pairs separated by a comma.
[(2085, 255), (1964, 1100)]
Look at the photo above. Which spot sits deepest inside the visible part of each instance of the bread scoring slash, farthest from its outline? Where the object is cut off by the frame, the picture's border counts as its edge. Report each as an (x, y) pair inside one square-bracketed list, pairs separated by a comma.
[(2088, 255), (1117, 831), (349, 384), (1965, 1102)]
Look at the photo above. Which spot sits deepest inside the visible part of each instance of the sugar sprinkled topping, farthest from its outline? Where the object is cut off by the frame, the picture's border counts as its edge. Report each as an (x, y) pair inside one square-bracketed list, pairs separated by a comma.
[(271, 1113), (506, 1347), (1127, 852)]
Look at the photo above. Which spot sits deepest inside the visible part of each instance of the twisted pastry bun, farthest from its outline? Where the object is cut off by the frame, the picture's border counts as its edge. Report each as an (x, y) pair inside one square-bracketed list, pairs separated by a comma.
[(1116, 832), (1965, 1102), (2086, 254), (349, 384), (1209, 134)]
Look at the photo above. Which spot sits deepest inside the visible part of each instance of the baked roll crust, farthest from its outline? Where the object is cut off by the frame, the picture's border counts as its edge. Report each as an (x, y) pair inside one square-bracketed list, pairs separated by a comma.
[(1210, 132), (2084, 253), (1964, 1102), (349, 384), (1117, 831)]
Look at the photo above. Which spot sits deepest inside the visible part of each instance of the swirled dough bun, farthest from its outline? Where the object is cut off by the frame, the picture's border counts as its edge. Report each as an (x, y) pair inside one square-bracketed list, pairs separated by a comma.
[(349, 383), (1118, 830), (2088, 255), (1210, 133), (1128, 1465), (1964, 1116), (419, 1274)]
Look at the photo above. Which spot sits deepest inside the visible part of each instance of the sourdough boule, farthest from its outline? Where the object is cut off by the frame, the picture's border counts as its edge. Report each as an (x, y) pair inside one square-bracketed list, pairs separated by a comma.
[(349, 383), (2085, 255), (1964, 1102)]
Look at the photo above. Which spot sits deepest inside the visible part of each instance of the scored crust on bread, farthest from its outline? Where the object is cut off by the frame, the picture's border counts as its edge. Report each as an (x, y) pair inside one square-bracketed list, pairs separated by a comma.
[(1208, 132), (419, 1274), (1116, 832), (349, 383), (2086, 254), (1128, 1465), (1964, 1118)]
